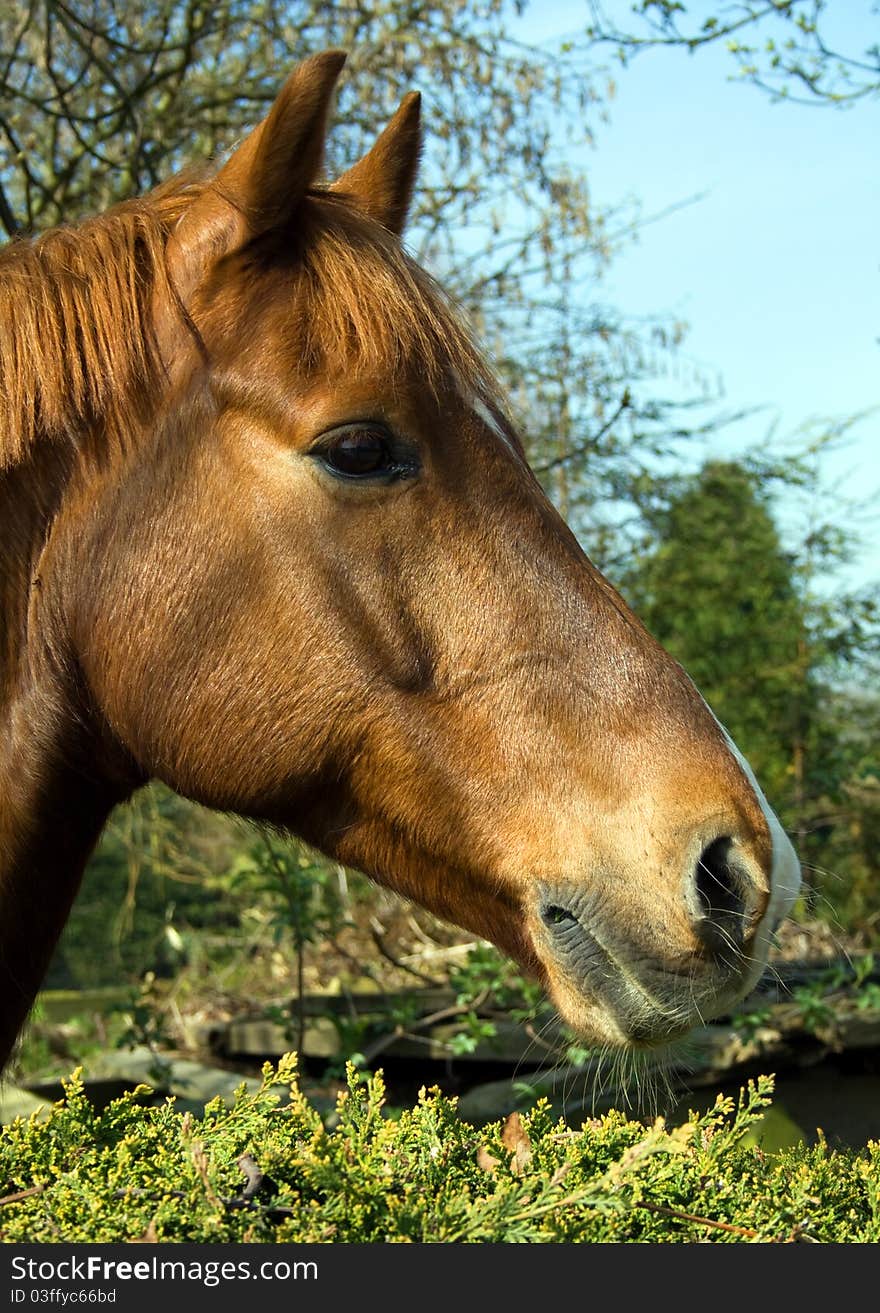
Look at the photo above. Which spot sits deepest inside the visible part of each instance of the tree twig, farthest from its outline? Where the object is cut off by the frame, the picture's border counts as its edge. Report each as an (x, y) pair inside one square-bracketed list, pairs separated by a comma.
[(22, 1194), (700, 1221), (383, 948)]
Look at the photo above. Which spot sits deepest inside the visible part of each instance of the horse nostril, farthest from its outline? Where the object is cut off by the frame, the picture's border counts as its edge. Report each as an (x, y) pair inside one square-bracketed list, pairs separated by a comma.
[(726, 896), (556, 917), (717, 883)]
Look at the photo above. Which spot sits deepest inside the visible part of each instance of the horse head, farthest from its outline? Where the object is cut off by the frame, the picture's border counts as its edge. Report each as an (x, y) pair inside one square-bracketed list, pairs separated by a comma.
[(315, 582)]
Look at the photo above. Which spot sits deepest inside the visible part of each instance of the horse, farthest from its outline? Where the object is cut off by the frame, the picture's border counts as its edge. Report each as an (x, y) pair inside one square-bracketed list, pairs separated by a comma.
[(269, 535)]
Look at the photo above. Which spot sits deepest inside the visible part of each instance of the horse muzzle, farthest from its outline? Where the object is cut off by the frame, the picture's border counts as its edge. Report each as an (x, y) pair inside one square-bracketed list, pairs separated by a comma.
[(632, 968)]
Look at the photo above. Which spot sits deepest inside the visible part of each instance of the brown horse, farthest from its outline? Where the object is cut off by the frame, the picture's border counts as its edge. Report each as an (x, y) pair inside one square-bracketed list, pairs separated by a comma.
[(268, 535)]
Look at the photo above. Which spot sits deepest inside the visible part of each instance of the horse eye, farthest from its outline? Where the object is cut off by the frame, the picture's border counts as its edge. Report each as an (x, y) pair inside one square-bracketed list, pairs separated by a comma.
[(358, 453)]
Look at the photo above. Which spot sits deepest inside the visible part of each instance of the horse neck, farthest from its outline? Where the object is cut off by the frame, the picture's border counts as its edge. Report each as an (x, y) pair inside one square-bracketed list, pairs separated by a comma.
[(53, 803)]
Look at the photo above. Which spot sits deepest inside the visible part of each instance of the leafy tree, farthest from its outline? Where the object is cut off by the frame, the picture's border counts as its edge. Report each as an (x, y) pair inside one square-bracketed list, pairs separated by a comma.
[(717, 589), (792, 49), (101, 100), (716, 585), (844, 839)]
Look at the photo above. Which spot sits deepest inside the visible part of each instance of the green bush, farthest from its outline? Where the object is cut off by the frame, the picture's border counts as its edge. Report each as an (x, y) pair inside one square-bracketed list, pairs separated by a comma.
[(133, 1171)]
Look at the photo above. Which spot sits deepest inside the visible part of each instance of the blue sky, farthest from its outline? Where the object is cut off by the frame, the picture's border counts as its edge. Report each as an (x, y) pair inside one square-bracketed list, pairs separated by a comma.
[(777, 269)]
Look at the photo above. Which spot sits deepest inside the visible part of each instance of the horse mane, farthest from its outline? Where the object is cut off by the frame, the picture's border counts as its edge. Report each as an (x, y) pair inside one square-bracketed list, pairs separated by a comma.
[(77, 338), (76, 308)]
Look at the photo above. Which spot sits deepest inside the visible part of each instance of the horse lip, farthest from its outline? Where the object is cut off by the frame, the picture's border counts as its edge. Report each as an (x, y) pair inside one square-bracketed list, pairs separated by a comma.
[(588, 962), (599, 969)]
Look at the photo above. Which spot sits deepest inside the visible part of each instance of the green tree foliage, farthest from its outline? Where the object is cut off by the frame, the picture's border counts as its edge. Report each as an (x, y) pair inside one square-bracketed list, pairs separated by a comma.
[(146, 891), (774, 658), (841, 819), (796, 50), (717, 589)]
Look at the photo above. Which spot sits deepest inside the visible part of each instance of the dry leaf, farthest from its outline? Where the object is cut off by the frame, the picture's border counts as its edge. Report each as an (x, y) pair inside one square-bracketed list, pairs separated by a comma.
[(515, 1139), (560, 1174), (485, 1161)]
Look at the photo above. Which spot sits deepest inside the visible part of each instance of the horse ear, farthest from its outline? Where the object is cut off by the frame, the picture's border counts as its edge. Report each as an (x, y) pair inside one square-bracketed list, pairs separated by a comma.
[(260, 186), (382, 182)]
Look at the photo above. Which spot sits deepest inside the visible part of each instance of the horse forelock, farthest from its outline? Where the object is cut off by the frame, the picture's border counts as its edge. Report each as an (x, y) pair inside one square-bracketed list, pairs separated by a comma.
[(346, 301), (365, 305)]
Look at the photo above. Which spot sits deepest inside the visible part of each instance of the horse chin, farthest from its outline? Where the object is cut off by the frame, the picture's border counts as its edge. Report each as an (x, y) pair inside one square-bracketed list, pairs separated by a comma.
[(599, 1025), (618, 1012)]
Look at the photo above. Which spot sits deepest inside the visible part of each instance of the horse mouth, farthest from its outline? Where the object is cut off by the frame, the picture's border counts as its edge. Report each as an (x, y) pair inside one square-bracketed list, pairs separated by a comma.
[(614, 993)]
